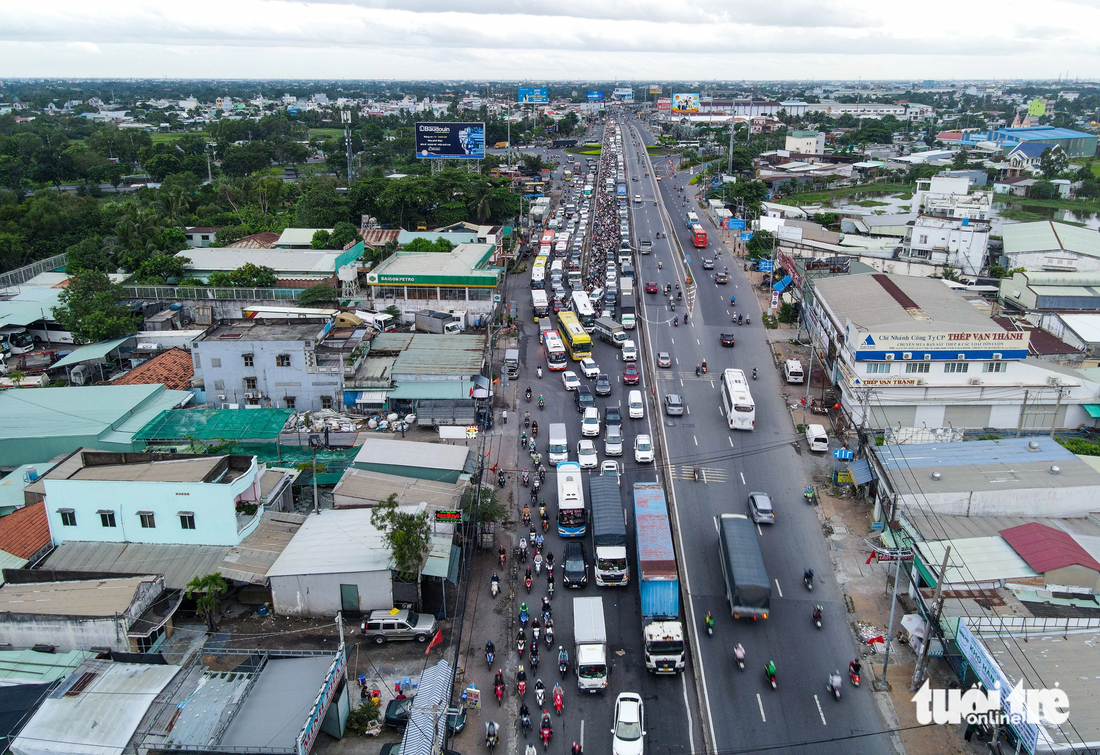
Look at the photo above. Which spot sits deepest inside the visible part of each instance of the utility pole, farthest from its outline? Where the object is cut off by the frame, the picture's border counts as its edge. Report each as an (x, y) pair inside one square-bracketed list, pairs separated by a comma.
[(1023, 410), (1057, 406), (345, 116), (933, 621), (893, 606)]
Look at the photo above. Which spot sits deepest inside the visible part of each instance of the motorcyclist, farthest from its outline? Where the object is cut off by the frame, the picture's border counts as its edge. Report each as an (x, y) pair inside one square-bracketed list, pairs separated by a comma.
[(739, 652), (769, 670), (660, 265), (538, 369), (491, 732), (834, 680), (528, 393), (808, 575), (498, 680), (854, 667), (521, 675), (542, 401), (817, 613), (676, 321), (709, 621)]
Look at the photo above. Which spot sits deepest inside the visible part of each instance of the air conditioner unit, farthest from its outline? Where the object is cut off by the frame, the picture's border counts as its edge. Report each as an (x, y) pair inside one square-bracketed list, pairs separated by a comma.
[(248, 395), (920, 381), (996, 355), (975, 381), (906, 355), (221, 397), (928, 357), (889, 357), (1053, 381), (258, 394)]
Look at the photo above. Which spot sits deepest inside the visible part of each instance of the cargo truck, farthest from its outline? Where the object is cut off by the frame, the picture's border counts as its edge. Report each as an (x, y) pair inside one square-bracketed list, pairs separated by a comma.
[(608, 532), (610, 331), (590, 648), (658, 581), (748, 589), (627, 312), (450, 323)]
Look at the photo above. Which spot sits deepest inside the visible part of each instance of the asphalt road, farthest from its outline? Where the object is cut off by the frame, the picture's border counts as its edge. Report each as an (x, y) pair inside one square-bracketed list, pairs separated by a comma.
[(800, 716)]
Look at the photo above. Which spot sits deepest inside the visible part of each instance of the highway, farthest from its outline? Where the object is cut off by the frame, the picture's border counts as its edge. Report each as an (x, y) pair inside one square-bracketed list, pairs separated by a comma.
[(744, 713)]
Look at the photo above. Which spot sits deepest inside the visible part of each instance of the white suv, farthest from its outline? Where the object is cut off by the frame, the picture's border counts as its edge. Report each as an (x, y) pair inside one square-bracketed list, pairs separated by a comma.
[(590, 422)]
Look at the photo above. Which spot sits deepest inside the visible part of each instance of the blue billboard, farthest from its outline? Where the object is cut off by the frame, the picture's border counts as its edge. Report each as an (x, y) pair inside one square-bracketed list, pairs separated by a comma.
[(450, 141), (594, 95), (533, 95)]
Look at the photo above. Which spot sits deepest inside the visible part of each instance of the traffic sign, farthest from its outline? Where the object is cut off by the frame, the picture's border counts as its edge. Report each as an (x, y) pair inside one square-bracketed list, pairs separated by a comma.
[(764, 266), (687, 260), (737, 224), (746, 235), (844, 454), (775, 299)]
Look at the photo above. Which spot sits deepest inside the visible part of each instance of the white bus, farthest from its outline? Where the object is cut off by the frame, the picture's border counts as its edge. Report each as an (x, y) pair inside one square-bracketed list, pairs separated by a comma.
[(538, 273), (583, 309), (556, 356), (572, 518), (540, 304), (737, 405)]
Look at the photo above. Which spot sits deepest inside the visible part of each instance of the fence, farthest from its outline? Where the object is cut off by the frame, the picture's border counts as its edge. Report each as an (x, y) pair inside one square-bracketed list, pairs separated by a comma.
[(23, 274), (212, 294)]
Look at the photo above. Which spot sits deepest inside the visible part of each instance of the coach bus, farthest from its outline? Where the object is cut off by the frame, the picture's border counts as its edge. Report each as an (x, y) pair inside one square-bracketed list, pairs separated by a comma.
[(572, 517), (576, 339), (737, 405)]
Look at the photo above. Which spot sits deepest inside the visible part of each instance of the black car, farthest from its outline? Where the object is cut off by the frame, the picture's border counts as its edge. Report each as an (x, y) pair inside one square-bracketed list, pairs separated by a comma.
[(727, 339), (574, 565), (603, 385), (584, 398), (613, 416)]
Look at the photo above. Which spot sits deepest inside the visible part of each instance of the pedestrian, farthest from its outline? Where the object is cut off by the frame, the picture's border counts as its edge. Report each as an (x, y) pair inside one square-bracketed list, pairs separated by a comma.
[(504, 417)]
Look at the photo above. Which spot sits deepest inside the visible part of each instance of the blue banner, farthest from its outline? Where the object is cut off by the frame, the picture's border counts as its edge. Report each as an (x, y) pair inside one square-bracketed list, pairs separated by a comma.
[(746, 235), (464, 141), (764, 266), (737, 224), (535, 95), (594, 95), (844, 454)]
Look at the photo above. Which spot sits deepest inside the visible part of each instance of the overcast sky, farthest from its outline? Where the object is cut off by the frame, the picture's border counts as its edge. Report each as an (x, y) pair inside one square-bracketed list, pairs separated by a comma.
[(552, 40)]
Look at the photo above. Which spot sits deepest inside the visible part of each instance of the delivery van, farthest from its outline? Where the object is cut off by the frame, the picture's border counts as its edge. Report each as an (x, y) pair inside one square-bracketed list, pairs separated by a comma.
[(818, 438), (635, 406)]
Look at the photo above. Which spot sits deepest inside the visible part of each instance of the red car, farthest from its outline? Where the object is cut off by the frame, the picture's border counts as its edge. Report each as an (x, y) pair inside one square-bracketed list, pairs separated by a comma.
[(630, 374), (651, 287)]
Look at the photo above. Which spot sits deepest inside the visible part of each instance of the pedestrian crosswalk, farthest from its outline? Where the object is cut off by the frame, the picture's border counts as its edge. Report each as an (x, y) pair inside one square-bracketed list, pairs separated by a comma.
[(707, 474)]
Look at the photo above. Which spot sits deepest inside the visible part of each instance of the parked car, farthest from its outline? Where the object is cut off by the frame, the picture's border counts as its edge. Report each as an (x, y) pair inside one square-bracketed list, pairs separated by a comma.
[(382, 625)]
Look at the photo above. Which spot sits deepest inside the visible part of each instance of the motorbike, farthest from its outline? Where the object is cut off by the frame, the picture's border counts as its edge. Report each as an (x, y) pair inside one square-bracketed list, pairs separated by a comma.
[(536, 483), (490, 653), (526, 478), (546, 732), (534, 430), (809, 495), (536, 630), (527, 581), (834, 684), (538, 369), (704, 367), (679, 296), (708, 620), (549, 637), (558, 699), (546, 612), (542, 403), (817, 616), (748, 320), (494, 585), (697, 471), (503, 554), (545, 523), (770, 677), (809, 582), (540, 691), (534, 657), (523, 616), (521, 642), (525, 722), (528, 394), (527, 419), (676, 322), (498, 688), (739, 656), (550, 584), (563, 663), (754, 373), (500, 479), (538, 564), (522, 686), (853, 674), (526, 514)]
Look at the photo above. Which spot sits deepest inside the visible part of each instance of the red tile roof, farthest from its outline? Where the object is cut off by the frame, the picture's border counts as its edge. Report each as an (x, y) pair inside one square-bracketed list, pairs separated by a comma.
[(378, 237), (262, 240), (173, 369), (1046, 549), (25, 531)]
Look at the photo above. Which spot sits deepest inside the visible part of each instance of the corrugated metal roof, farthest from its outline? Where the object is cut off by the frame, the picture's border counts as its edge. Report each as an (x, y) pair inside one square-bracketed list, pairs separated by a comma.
[(79, 410), (408, 453), (178, 563), (90, 352), (1047, 235), (362, 487), (282, 261), (299, 236), (440, 390), (975, 559), (433, 354), (1046, 549), (870, 306), (250, 561), (334, 542), (426, 726), (98, 597), (32, 666), (10, 561), (12, 486), (30, 305)]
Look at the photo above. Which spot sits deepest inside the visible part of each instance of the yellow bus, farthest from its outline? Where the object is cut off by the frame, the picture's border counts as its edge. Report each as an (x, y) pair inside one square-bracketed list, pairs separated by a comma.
[(567, 175), (577, 341)]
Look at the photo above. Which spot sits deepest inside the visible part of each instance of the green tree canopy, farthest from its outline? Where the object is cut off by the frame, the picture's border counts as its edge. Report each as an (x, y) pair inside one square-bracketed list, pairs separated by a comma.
[(406, 535), (90, 308), (247, 275)]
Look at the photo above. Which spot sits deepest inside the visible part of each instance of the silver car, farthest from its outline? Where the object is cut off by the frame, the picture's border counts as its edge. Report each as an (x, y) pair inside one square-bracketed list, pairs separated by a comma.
[(384, 625)]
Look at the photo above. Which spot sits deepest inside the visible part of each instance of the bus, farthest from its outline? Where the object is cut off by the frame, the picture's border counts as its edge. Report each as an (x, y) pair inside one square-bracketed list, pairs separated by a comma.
[(555, 351), (538, 273), (588, 190), (737, 406), (692, 219), (572, 518), (546, 244), (577, 341), (15, 339), (540, 304), (583, 309), (698, 236), (567, 175)]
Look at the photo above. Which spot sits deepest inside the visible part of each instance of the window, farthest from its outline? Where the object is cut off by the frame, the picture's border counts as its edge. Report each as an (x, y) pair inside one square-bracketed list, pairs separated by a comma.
[(68, 517), (289, 402), (878, 368), (956, 367), (219, 385), (187, 520), (198, 361), (917, 368), (205, 237), (148, 520), (282, 360), (248, 360), (215, 362), (994, 367), (107, 518), (326, 402), (250, 383)]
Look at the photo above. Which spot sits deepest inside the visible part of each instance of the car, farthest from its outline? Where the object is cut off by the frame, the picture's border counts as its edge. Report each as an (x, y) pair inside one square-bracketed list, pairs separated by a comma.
[(586, 454), (708, 264), (613, 441), (630, 374), (589, 367), (590, 422), (612, 415), (633, 178), (651, 287), (571, 381), (574, 564), (397, 715), (674, 405), (721, 278), (664, 359), (658, 178), (628, 731), (603, 385), (727, 339), (610, 468), (383, 625), (760, 508), (643, 449), (584, 398)]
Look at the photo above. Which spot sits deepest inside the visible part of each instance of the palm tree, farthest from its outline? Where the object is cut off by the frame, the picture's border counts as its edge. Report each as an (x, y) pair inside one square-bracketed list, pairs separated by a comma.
[(209, 590), (484, 206)]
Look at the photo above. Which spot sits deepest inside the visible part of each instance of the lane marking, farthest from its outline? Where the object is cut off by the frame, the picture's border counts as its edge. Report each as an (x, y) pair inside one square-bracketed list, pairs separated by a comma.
[(778, 588), (695, 439), (759, 531), (760, 703), (731, 443), (819, 711), (704, 475), (689, 410), (740, 473)]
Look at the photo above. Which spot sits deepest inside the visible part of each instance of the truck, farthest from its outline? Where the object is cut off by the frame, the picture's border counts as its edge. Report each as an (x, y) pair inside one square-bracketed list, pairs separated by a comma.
[(511, 363), (449, 323), (608, 532), (748, 589), (626, 310), (658, 581), (450, 412), (610, 331), (378, 320), (590, 648)]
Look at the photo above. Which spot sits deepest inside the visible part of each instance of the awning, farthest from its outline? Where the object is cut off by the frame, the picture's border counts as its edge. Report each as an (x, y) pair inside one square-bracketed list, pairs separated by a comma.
[(438, 390), (860, 470), (782, 284), (370, 397), (90, 352), (1092, 409), (440, 553)]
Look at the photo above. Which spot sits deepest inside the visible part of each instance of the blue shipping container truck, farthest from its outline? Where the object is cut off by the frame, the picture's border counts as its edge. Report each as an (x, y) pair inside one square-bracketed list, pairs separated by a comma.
[(658, 581)]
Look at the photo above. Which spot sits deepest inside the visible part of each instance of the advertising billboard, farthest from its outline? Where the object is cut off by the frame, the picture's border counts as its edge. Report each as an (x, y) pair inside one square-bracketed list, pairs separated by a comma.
[(533, 95), (594, 95), (685, 103), (451, 141), (623, 93), (1037, 108), (654, 88), (664, 103)]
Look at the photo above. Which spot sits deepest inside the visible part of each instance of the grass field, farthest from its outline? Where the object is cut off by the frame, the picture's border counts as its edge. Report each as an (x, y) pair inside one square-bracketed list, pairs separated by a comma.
[(824, 196), (1082, 160), (326, 133), (169, 138)]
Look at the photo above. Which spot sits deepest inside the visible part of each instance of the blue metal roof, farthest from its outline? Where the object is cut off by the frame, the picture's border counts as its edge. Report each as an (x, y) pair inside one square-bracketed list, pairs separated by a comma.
[(969, 453)]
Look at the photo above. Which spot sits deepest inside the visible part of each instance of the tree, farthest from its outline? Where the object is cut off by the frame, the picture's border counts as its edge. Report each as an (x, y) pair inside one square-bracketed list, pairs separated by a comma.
[(208, 591), (961, 160), (1043, 190), (319, 206), (321, 239), (1052, 162), (88, 254), (247, 275), (343, 233), (322, 293), (405, 533), (90, 308)]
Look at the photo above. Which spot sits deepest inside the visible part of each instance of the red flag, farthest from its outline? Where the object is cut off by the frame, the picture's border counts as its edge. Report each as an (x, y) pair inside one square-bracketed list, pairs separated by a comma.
[(836, 405), (873, 640), (869, 558), (435, 641), (802, 400)]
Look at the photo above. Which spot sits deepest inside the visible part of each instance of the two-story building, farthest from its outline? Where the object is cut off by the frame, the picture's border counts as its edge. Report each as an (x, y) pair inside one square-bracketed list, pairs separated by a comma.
[(961, 244), (909, 352), (1050, 246), (463, 279)]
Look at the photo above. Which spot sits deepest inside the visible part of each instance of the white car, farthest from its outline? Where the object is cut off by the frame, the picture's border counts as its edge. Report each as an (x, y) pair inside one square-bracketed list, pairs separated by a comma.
[(589, 367), (571, 381), (590, 422), (643, 449), (610, 468), (586, 455), (628, 733), (613, 441)]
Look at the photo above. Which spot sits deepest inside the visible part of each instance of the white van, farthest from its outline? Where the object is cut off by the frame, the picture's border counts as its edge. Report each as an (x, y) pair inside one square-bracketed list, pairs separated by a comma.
[(817, 438), (559, 444), (630, 352), (792, 371), (635, 407)]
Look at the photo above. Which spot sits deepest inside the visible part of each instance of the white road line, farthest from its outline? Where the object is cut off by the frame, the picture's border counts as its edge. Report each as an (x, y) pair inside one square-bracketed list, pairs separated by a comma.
[(689, 410), (778, 588), (681, 382), (697, 342), (759, 531), (695, 439), (761, 704), (819, 711), (731, 446), (687, 707), (740, 473), (704, 476)]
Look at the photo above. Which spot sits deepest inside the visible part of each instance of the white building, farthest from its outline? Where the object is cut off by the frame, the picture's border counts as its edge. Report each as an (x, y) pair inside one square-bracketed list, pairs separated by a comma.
[(950, 197), (902, 111), (1047, 245), (944, 241), (911, 353), (806, 142)]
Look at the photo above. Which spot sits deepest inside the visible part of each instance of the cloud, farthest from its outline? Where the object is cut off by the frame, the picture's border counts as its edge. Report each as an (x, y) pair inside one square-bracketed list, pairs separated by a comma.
[(90, 47)]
